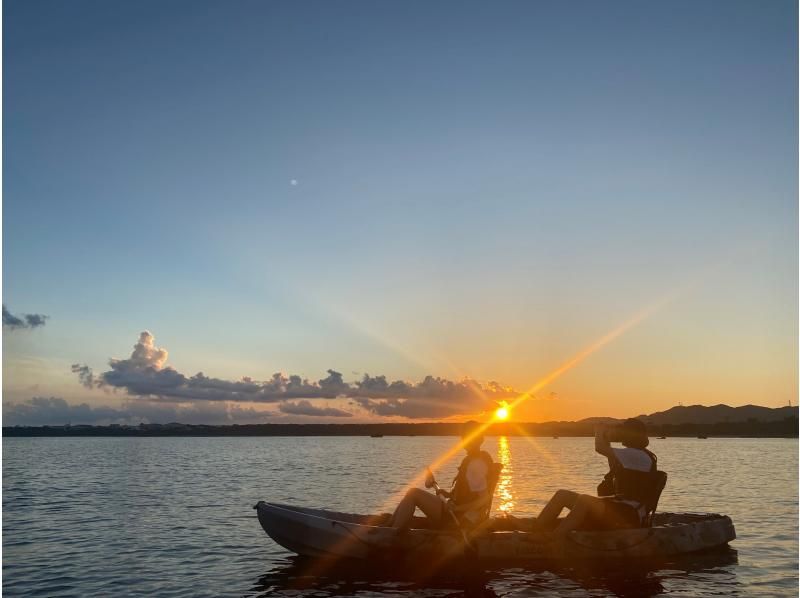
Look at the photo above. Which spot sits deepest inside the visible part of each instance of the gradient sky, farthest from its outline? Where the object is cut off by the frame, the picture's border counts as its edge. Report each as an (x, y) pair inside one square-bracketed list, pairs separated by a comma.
[(457, 189)]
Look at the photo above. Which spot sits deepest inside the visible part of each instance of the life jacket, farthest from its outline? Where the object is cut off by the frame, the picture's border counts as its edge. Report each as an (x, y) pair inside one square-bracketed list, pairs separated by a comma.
[(461, 491), (632, 484)]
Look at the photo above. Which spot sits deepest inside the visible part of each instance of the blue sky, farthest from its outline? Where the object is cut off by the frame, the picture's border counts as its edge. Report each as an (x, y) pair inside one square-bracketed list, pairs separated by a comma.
[(482, 189)]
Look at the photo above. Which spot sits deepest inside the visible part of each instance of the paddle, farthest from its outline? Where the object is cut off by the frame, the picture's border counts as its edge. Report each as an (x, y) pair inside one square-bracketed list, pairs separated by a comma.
[(474, 584), (430, 482)]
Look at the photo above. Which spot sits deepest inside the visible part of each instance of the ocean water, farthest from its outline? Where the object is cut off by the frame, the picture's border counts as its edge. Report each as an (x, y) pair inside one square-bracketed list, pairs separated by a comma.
[(173, 516)]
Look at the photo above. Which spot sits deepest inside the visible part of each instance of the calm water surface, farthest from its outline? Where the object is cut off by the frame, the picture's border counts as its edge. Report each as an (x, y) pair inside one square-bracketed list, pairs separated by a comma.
[(173, 516)]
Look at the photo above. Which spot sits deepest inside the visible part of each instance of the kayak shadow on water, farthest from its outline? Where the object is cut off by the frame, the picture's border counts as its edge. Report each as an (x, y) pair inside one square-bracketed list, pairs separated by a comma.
[(300, 576), (322, 577), (647, 578)]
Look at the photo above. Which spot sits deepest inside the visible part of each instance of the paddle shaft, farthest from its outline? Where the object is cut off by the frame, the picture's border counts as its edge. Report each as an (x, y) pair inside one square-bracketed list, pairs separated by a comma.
[(433, 484)]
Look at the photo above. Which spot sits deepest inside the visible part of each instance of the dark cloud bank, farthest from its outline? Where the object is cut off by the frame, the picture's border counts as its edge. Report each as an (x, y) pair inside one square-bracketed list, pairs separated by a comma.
[(158, 392), (145, 374), (12, 322), (40, 411), (305, 407)]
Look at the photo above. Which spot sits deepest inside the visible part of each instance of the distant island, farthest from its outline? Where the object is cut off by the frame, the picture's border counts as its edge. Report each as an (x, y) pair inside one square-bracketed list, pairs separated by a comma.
[(749, 421)]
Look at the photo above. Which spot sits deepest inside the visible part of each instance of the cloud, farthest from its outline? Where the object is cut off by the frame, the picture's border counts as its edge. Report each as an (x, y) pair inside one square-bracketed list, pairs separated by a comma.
[(53, 410), (12, 322), (85, 375), (431, 398), (39, 411), (305, 407), (146, 374)]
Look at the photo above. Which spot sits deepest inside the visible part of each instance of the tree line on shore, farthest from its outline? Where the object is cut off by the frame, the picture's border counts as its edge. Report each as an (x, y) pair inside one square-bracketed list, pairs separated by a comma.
[(784, 428)]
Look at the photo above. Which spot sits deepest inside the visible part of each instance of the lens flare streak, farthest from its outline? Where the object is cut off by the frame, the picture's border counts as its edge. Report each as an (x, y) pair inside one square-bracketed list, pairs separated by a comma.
[(594, 347), (544, 381)]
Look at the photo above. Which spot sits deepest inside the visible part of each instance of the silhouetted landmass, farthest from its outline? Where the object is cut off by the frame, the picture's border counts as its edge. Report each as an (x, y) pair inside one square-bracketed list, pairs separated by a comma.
[(739, 422), (700, 414)]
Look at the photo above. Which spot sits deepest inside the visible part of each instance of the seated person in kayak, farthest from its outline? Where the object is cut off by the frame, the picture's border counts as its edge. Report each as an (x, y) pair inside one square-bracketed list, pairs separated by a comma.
[(624, 493), (468, 498)]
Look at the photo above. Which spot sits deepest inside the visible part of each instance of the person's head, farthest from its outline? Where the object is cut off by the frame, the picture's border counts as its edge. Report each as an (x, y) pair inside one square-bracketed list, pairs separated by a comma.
[(471, 436), (633, 433)]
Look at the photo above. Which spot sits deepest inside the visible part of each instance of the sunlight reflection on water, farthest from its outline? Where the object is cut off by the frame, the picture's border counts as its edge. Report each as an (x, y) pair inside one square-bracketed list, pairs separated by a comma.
[(172, 516), (503, 493)]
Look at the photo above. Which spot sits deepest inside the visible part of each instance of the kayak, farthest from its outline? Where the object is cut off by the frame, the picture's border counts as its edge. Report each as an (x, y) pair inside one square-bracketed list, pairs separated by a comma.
[(322, 533)]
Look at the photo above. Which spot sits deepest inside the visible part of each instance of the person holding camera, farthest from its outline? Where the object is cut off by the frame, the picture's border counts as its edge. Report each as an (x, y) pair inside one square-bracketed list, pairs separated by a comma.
[(624, 495)]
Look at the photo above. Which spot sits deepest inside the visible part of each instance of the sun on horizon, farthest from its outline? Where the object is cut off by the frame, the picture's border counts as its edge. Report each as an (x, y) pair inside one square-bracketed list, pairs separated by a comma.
[(502, 412)]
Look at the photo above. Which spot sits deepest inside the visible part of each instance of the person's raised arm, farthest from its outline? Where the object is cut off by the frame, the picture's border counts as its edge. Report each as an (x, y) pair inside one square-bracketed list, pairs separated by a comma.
[(601, 443)]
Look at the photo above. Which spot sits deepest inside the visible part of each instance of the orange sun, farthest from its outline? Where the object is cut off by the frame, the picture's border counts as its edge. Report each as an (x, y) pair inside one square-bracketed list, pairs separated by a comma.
[(502, 411)]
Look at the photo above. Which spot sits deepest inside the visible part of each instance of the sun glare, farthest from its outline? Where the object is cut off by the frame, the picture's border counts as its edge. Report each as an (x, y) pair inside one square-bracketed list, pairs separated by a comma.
[(501, 413)]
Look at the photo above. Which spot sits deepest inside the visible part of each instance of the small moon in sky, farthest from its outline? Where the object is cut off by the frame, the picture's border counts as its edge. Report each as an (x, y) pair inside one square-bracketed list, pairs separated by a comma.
[(293, 182)]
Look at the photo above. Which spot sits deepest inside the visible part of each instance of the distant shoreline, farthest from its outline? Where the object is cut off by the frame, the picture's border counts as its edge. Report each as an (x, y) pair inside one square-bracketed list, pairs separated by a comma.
[(787, 428)]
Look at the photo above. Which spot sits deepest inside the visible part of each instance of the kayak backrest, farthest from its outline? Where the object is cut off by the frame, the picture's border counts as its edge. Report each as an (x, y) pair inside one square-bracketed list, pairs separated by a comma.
[(492, 479), (652, 502)]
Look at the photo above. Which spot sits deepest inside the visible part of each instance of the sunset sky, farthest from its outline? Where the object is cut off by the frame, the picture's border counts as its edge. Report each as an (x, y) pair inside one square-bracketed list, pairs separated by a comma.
[(467, 191)]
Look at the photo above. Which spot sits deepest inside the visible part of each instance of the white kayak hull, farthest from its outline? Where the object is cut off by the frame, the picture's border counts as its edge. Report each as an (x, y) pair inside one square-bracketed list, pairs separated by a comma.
[(322, 533)]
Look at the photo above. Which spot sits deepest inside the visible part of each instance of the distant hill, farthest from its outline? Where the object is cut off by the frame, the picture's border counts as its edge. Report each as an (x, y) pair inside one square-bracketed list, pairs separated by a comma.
[(599, 420), (700, 414)]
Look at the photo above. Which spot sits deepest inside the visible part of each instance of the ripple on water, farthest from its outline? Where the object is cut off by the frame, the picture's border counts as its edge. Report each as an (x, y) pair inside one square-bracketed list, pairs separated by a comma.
[(173, 517)]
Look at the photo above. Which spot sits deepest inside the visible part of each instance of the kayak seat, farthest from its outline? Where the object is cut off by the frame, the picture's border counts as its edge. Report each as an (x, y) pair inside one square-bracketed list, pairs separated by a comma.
[(485, 524), (491, 483), (652, 502)]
